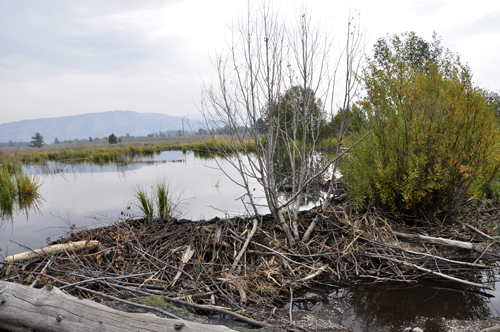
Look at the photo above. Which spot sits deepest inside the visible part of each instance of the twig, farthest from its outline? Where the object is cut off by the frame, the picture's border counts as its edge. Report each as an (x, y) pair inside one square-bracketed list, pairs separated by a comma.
[(469, 283), (245, 245), (115, 298), (97, 279), (479, 232), (434, 256), (201, 307)]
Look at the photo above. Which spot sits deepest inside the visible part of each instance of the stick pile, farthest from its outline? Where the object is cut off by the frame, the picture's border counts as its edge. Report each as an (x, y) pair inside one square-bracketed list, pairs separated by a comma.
[(247, 263)]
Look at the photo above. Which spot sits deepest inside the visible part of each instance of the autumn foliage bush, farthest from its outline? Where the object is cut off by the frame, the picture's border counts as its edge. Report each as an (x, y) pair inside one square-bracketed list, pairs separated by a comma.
[(434, 140)]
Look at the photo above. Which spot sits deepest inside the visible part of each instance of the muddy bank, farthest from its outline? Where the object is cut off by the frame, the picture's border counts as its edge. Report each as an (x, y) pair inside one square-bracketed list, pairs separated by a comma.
[(336, 316)]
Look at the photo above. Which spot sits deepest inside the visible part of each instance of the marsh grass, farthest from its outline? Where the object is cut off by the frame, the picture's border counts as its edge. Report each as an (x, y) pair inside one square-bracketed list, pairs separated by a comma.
[(219, 145), (97, 155), (18, 192), (157, 201), (102, 154), (7, 189), (163, 199), (144, 202)]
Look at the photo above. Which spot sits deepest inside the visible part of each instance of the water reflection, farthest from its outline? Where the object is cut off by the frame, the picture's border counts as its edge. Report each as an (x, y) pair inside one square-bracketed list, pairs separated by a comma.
[(374, 306), (86, 193), (286, 176), (19, 205), (19, 193), (378, 308)]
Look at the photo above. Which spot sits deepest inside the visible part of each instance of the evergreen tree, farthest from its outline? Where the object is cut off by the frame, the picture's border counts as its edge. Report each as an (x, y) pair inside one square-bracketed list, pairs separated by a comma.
[(37, 141), (112, 139)]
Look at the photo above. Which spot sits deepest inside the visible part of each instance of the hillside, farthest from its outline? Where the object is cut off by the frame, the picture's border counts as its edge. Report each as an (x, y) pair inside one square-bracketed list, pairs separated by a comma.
[(90, 125)]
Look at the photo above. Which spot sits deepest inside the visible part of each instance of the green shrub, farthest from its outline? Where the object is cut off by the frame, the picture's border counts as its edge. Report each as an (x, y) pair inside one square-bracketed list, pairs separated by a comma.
[(51, 155), (493, 190), (434, 137)]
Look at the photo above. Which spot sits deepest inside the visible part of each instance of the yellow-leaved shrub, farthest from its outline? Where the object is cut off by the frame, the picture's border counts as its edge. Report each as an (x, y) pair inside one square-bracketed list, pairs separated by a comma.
[(435, 138)]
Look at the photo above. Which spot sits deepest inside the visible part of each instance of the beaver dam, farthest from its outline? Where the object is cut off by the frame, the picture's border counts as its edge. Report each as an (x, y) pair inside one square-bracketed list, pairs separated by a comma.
[(246, 268)]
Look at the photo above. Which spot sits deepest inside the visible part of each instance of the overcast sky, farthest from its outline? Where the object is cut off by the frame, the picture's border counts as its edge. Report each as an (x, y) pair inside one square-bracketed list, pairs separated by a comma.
[(60, 57)]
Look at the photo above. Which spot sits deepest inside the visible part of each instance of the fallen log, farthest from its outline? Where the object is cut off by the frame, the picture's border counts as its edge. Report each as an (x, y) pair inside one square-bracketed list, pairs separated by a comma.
[(441, 241), (49, 309), (46, 251)]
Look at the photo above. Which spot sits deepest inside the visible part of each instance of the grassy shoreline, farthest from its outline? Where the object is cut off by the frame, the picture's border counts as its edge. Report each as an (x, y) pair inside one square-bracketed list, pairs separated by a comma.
[(103, 152)]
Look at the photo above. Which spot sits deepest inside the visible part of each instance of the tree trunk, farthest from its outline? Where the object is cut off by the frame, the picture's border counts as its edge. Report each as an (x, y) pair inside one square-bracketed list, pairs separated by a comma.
[(49, 309)]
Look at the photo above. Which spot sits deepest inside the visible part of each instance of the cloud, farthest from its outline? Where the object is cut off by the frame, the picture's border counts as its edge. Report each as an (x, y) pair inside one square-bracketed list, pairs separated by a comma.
[(427, 7), (68, 57)]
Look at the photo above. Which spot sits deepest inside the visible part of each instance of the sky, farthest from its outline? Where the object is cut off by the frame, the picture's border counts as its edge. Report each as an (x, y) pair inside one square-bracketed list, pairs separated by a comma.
[(60, 58)]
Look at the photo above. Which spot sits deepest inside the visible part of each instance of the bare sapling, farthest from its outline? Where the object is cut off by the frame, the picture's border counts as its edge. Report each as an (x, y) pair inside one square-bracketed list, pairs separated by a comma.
[(268, 108), (353, 53)]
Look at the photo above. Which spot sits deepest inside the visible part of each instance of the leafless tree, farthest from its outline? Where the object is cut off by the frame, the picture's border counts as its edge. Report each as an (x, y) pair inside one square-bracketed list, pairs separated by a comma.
[(267, 58), (352, 54)]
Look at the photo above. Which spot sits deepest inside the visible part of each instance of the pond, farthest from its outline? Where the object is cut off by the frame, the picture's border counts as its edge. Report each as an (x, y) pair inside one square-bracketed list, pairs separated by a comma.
[(89, 195)]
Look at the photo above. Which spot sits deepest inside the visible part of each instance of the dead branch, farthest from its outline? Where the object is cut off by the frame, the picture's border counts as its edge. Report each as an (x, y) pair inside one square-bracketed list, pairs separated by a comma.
[(441, 241)]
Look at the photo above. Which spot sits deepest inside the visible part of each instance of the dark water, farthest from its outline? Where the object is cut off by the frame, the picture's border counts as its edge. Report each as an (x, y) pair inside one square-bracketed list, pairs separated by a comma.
[(374, 307), (86, 195)]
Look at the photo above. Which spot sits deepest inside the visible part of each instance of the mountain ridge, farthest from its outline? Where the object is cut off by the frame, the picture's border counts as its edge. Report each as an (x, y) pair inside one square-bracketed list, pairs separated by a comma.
[(91, 125)]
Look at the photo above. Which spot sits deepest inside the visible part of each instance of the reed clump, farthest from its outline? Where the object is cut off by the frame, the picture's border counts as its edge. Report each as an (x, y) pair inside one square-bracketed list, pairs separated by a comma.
[(157, 201), (18, 191)]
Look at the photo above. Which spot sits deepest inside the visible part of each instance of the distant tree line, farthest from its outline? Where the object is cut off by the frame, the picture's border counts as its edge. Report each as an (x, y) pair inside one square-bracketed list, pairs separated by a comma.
[(167, 133)]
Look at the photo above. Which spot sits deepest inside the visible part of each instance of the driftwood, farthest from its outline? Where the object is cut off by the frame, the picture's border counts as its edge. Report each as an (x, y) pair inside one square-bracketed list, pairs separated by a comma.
[(441, 241), (47, 251), (49, 309)]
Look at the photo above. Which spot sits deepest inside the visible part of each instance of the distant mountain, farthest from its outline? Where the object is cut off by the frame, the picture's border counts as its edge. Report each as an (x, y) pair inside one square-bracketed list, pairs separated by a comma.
[(91, 125)]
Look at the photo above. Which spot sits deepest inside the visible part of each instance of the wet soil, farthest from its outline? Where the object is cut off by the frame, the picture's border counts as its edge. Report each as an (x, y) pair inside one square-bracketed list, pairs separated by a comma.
[(337, 316)]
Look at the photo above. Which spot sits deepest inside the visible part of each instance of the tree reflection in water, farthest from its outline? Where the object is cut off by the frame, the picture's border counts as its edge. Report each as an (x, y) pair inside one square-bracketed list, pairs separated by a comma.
[(285, 177), (387, 306), (373, 308)]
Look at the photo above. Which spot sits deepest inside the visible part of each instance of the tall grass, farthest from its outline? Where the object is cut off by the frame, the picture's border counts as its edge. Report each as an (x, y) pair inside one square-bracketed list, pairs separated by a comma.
[(157, 201), (144, 202), (218, 145), (166, 206), (18, 191), (7, 190)]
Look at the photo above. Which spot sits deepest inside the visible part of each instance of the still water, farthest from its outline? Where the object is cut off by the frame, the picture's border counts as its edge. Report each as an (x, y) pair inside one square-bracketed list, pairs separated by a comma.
[(91, 195), (87, 195)]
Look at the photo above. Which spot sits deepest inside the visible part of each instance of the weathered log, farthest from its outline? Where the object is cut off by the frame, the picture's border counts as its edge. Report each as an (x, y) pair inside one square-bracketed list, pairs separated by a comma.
[(70, 246), (441, 241), (49, 309)]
